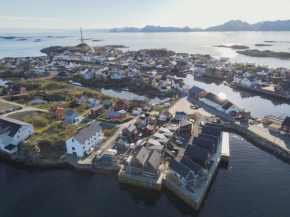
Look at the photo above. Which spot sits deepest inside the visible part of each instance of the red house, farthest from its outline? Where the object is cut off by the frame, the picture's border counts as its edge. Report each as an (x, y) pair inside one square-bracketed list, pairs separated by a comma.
[(57, 112), (197, 92), (15, 89), (139, 103), (97, 110), (286, 125), (120, 105), (185, 127)]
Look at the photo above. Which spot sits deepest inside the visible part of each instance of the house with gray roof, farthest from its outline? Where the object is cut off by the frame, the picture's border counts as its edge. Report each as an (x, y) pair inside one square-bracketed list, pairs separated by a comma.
[(180, 174), (71, 117), (145, 163), (12, 132), (85, 140)]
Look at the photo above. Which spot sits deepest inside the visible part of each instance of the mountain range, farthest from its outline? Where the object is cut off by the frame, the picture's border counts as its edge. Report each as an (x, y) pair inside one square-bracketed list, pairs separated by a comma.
[(233, 25)]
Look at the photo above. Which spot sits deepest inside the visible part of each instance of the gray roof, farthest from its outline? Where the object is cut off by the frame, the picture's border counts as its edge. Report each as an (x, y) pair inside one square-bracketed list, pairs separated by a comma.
[(11, 126), (180, 113), (204, 143), (113, 113), (210, 137), (196, 152), (107, 102), (70, 112), (211, 131), (191, 165), (181, 169), (221, 126), (286, 122), (154, 159), (142, 155), (227, 105), (216, 99), (87, 132), (196, 90)]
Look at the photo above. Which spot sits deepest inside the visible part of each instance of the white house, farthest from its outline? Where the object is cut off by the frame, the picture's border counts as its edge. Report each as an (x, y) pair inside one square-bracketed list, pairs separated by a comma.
[(251, 81), (116, 74), (12, 132), (137, 111), (180, 116), (263, 71), (84, 141), (247, 74)]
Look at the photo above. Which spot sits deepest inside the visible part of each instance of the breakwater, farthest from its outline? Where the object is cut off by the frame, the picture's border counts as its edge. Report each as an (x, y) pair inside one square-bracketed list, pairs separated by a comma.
[(261, 92), (259, 141)]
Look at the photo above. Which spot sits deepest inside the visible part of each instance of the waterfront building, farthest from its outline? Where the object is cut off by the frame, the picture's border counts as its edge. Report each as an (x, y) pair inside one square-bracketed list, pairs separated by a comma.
[(85, 140), (199, 155), (12, 132), (180, 174), (185, 127), (197, 92), (145, 163), (214, 131), (220, 104), (180, 116), (204, 143), (286, 125)]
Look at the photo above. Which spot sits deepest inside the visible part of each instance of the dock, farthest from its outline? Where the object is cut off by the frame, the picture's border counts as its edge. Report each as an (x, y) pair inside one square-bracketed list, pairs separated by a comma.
[(192, 198), (140, 181), (195, 199), (225, 152)]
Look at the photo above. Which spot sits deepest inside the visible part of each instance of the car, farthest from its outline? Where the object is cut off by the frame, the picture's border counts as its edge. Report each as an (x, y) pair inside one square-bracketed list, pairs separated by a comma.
[(181, 138), (88, 152), (178, 142), (119, 134), (201, 123)]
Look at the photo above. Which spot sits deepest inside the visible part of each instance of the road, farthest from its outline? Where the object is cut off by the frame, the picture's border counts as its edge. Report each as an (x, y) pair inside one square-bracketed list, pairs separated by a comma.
[(111, 141)]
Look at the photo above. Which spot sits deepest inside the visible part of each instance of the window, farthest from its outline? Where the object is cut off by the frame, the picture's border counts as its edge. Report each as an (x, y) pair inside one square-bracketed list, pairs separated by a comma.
[(73, 140), (73, 148)]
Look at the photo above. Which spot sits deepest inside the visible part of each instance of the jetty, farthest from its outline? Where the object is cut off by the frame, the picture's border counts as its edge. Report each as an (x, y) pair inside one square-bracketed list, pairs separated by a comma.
[(193, 199)]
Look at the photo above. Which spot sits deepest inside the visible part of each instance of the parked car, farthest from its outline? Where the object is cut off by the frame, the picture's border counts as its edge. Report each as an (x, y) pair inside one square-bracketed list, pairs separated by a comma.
[(178, 142), (201, 123)]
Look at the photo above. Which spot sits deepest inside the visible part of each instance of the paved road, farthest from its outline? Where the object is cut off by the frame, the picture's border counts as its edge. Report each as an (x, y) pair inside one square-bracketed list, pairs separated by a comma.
[(111, 141)]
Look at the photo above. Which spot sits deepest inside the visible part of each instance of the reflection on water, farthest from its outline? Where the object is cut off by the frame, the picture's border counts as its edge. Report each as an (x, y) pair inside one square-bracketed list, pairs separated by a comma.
[(130, 96), (258, 105), (222, 95)]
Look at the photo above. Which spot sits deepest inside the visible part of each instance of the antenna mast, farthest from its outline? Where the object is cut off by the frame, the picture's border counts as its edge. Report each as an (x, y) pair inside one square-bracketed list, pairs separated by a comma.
[(82, 40)]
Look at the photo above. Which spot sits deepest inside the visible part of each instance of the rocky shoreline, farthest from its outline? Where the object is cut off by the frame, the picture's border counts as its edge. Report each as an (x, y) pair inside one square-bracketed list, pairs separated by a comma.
[(111, 169)]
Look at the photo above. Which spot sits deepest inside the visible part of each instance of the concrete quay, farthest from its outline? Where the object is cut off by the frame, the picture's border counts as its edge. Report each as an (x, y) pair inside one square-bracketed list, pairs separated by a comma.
[(140, 181), (195, 199)]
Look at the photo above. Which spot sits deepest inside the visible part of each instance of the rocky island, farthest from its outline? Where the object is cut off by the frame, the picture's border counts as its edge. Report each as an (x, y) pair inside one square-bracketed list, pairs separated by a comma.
[(235, 47), (266, 53), (263, 45)]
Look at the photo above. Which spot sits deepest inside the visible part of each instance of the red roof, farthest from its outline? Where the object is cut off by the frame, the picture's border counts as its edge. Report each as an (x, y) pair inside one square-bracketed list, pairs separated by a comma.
[(56, 110)]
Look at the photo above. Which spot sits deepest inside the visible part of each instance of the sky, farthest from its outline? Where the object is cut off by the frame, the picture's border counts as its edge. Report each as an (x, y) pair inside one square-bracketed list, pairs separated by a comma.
[(97, 14)]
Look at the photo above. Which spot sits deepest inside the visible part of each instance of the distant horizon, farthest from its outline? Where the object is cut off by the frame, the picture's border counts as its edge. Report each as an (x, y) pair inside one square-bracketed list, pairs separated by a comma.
[(97, 14), (15, 30)]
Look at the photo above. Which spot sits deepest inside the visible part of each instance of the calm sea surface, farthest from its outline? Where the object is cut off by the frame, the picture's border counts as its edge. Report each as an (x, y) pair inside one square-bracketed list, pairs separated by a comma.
[(254, 184), (194, 43)]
